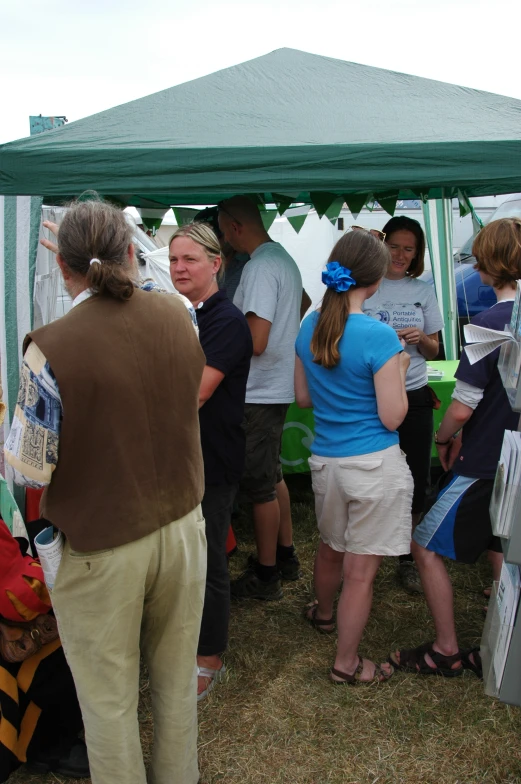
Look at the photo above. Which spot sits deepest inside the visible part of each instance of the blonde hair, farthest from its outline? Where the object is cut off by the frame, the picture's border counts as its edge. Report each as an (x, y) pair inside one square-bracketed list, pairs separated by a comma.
[(203, 234), (94, 229), (368, 259)]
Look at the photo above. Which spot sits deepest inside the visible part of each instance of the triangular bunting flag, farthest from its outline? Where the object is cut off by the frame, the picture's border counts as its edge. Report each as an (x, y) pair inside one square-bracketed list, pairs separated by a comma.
[(184, 215), (282, 202), (268, 216), (152, 219), (355, 202), (333, 211), (387, 202), (322, 201), (297, 221)]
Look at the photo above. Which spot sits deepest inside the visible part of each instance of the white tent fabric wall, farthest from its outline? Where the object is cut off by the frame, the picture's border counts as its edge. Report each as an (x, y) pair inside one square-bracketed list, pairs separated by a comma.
[(437, 214), (157, 267), (19, 225)]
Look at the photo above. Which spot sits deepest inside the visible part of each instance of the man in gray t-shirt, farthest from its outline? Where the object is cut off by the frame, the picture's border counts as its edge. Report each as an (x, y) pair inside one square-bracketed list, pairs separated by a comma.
[(270, 295)]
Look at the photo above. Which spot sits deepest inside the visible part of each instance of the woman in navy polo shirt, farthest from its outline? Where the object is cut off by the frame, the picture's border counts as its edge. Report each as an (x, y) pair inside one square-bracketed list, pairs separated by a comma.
[(195, 262)]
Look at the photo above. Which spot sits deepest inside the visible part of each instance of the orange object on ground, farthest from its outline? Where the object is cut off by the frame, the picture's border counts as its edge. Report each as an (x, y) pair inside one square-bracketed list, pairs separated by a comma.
[(231, 543)]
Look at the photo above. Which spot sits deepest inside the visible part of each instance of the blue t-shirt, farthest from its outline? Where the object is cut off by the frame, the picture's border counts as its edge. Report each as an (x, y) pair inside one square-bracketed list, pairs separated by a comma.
[(344, 397)]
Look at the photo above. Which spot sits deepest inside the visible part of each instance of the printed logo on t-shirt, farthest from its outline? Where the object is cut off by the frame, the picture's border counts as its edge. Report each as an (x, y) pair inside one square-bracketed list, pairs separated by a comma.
[(400, 315)]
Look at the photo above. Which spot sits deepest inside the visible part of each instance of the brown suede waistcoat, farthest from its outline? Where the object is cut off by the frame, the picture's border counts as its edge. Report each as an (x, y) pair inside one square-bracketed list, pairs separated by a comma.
[(129, 454)]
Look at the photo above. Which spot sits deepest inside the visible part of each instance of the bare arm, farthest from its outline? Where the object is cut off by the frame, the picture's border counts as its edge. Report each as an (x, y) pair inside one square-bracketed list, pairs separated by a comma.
[(457, 415), (428, 345), (391, 398), (301, 386), (209, 383), (260, 333), (304, 304)]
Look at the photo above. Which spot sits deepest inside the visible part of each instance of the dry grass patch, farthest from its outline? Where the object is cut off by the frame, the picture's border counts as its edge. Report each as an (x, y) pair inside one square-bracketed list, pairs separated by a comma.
[(278, 720)]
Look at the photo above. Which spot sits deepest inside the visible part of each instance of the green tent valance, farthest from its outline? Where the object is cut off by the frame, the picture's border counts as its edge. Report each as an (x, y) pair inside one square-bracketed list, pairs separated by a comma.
[(288, 127)]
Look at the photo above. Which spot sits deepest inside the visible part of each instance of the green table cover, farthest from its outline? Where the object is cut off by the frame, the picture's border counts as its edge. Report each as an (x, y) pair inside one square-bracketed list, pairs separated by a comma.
[(300, 424)]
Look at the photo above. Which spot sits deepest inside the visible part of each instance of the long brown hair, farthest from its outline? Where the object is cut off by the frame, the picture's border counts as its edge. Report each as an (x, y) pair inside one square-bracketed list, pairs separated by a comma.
[(368, 258), (95, 229)]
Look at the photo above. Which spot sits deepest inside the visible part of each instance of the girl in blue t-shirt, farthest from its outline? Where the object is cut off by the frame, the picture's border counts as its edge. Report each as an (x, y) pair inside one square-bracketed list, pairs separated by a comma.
[(351, 370)]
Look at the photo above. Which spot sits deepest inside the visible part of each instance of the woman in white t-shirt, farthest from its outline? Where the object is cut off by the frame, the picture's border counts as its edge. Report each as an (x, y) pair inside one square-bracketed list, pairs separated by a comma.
[(409, 306)]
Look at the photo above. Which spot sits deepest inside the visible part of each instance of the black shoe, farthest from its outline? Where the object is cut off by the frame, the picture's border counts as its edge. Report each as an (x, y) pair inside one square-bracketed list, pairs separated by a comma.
[(288, 569), (70, 761), (249, 586)]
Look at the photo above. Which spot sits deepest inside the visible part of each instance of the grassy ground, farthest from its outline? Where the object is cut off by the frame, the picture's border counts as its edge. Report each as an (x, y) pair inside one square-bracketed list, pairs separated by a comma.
[(278, 720)]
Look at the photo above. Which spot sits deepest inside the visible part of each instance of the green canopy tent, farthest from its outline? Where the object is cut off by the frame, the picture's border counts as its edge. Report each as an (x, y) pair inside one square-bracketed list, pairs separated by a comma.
[(286, 127)]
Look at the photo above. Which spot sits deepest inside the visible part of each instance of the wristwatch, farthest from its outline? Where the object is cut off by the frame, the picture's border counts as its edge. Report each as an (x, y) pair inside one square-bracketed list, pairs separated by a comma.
[(441, 443)]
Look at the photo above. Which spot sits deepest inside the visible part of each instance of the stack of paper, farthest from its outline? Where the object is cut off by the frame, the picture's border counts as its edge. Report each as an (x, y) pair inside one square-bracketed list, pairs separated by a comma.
[(434, 373), (481, 341), (508, 591), (506, 499)]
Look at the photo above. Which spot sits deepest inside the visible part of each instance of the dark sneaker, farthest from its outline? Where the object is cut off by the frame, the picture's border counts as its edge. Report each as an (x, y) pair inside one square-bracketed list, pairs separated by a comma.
[(70, 761), (408, 577), (249, 586), (288, 569)]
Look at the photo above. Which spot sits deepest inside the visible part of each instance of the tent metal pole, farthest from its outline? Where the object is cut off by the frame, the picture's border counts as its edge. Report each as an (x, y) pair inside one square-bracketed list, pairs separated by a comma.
[(437, 214)]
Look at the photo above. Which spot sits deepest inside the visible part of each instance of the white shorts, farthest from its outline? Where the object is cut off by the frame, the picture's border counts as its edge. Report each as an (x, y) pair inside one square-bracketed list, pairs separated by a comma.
[(363, 503)]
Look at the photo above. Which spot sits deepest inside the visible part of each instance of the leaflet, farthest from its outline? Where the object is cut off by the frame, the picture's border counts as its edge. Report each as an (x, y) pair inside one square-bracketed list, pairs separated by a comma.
[(507, 600), (482, 341), (50, 550)]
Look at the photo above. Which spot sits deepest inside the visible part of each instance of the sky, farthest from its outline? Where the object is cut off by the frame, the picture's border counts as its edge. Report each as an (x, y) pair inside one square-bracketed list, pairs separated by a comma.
[(76, 58)]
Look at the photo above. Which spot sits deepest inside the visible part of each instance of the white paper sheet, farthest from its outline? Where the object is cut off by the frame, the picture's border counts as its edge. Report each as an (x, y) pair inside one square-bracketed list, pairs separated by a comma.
[(50, 553), (507, 600), (482, 341)]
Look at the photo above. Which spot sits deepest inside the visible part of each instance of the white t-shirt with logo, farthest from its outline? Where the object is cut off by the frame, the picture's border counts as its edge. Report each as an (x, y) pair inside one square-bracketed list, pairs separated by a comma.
[(271, 287), (407, 303)]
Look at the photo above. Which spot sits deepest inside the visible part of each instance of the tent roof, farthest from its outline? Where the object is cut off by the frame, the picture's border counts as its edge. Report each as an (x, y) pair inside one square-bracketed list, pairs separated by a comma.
[(288, 123)]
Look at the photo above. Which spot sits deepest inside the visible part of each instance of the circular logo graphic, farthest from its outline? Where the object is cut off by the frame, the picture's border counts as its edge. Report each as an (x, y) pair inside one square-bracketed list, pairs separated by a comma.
[(306, 441), (384, 316)]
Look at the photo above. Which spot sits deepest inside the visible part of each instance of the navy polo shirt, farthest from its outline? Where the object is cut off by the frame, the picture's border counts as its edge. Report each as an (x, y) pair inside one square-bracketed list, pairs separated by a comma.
[(226, 341), (483, 434)]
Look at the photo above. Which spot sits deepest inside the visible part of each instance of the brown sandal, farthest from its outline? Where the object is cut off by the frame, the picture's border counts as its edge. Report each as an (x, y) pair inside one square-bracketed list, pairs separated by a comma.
[(318, 623), (380, 676), (413, 660)]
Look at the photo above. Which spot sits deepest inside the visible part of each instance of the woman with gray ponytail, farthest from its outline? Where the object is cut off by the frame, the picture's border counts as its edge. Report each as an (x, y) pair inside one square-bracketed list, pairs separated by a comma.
[(95, 245), (351, 370), (107, 420)]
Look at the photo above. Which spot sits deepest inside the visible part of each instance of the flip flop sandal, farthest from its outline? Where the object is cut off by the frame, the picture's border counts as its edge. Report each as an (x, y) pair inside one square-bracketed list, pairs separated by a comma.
[(413, 660), (380, 676), (475, 666), (215, 676), (317, 623)]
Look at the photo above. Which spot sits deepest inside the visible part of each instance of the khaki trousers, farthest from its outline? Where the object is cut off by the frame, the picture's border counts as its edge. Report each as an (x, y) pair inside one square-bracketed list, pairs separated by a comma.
[(109, 604)]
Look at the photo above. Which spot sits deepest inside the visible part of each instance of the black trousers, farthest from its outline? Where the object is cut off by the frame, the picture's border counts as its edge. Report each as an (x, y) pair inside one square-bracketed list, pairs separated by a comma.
[(217, 508), (416, 441)]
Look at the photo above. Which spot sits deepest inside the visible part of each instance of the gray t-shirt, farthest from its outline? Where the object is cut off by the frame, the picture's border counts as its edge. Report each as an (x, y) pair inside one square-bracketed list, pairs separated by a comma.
[(407, 303), (271, 287)]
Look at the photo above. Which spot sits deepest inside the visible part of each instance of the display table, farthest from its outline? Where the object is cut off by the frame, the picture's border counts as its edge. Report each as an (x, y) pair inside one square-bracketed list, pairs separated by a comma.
[(300, 424)]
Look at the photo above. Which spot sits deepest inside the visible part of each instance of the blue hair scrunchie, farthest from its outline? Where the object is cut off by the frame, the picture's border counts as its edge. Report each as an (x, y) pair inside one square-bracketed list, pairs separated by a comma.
[(337, 277)]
